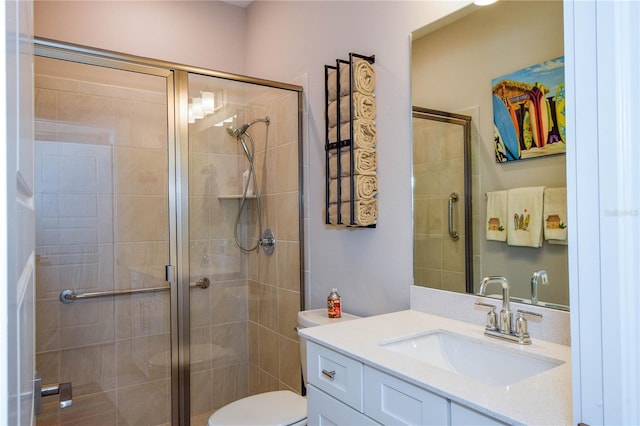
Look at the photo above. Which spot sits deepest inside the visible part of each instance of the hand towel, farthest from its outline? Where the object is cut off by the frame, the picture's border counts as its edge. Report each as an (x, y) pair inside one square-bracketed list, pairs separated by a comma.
[(497, 215), (364, 133), (364, 187), (524, 216), (365, 162), (364, 106), (364, 79), (365, 212), (555, 215)]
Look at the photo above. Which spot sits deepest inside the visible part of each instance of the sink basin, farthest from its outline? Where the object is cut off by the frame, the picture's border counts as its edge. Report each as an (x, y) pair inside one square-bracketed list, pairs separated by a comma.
[(489, 363)]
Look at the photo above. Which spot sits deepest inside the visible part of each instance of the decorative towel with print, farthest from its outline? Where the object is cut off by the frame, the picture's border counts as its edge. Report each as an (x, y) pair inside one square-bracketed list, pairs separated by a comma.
[(365, 134), (364, 106), (365, 212), (365, 162), (364, 186), (524, 216), (555, 215), (497, 216)]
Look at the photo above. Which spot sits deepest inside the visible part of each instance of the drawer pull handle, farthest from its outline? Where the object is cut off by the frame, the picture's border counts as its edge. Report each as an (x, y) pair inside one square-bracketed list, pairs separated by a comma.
[(329, 374)]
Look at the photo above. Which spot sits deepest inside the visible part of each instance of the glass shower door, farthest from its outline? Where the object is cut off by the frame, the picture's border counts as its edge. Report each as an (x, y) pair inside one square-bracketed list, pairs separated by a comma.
[(242, 338), (102, 227)]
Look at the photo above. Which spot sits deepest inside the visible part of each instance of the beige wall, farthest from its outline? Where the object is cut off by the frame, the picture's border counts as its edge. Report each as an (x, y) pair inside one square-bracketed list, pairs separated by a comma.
[(274, 281), (452, 69)]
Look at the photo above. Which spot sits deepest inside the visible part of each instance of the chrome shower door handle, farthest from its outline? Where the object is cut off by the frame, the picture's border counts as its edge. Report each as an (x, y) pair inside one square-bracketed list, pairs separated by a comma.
[(63, 390), (453, 198)]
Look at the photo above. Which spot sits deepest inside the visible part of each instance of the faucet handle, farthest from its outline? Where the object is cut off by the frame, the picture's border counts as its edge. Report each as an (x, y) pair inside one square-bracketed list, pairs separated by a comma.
[(521, 323), (522, 312), (491, 316), (488, 305)]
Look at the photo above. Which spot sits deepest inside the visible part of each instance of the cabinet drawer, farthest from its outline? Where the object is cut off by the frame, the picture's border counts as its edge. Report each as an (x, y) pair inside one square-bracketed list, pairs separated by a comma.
[(324, 410), (392, 401), (336, 374)]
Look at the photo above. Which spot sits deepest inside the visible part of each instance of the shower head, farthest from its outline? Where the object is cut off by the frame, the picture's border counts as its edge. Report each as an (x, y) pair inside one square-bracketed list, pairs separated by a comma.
[(238, 132)]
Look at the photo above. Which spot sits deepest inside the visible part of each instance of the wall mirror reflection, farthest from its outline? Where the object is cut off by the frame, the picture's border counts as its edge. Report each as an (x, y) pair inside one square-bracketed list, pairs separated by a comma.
[(441, 200), (453, 64)]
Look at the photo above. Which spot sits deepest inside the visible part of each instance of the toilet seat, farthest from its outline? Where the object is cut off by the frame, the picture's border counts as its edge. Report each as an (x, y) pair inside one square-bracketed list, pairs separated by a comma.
[(277, 408)]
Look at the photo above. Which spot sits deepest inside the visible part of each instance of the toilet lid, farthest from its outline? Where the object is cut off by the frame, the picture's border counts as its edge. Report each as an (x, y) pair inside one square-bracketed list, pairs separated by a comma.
[(279, 408)]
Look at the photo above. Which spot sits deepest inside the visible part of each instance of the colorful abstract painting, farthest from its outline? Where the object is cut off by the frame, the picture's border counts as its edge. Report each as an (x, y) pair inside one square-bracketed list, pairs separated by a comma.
[(529, 112)]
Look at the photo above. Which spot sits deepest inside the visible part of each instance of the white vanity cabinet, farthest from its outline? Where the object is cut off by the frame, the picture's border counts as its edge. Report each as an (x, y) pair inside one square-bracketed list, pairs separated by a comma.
[(344, 391)]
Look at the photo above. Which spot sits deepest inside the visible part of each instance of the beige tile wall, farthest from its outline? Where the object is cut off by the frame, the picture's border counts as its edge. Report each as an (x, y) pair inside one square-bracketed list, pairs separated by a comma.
[(438, 169), (250, 310), (274, 281)]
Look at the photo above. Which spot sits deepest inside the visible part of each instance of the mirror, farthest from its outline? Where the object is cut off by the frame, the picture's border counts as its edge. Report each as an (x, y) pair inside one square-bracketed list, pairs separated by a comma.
[(441, 194), (452, 67)]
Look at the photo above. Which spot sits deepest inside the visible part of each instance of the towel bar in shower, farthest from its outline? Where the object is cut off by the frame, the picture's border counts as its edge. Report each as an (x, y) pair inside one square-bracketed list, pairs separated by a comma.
[(68, 296), (453, 198)]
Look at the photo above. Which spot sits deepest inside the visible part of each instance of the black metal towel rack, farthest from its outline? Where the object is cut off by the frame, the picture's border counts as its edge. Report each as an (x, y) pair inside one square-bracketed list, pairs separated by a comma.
[(340, 143)]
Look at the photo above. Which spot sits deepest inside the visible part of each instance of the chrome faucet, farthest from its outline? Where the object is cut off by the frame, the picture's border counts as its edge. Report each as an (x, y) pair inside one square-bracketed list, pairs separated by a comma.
[(504, 324), (538, 277), (503, 329)]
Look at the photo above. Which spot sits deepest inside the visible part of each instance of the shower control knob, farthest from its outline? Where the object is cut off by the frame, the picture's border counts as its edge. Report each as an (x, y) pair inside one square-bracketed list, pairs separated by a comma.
[(268, 242)]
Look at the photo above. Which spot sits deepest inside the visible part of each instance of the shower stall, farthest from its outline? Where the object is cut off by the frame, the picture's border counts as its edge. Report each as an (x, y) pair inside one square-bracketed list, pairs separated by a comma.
[(159, 295)]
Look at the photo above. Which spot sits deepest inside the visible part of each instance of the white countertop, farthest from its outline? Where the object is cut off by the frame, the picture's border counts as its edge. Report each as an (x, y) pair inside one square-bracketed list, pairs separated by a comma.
[(543, 399)]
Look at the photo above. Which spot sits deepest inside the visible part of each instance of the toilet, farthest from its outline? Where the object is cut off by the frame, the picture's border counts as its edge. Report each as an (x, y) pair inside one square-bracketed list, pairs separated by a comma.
[(277, 408)]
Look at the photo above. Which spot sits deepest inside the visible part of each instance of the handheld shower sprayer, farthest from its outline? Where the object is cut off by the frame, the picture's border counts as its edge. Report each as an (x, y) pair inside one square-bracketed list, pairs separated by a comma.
[(266, 241), (238, 132)]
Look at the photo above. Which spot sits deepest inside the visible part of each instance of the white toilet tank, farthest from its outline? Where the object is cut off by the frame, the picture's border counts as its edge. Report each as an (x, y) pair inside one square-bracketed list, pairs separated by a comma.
[(312, 318)]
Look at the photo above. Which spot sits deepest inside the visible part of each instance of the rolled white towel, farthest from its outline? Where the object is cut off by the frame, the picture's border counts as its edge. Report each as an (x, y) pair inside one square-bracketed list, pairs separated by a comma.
[(332, 112), (365, 162), (364, 133), (365, 212), (364, 187), (345, 129), (364, 79), (364, 106), (332, 82)]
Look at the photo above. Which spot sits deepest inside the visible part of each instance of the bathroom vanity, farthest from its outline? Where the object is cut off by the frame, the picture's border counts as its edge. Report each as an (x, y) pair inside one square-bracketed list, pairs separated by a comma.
[(412, 367)]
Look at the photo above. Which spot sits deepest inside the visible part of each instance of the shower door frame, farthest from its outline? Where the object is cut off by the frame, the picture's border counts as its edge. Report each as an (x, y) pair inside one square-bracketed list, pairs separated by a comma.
[(465, 122), (178, 167)]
